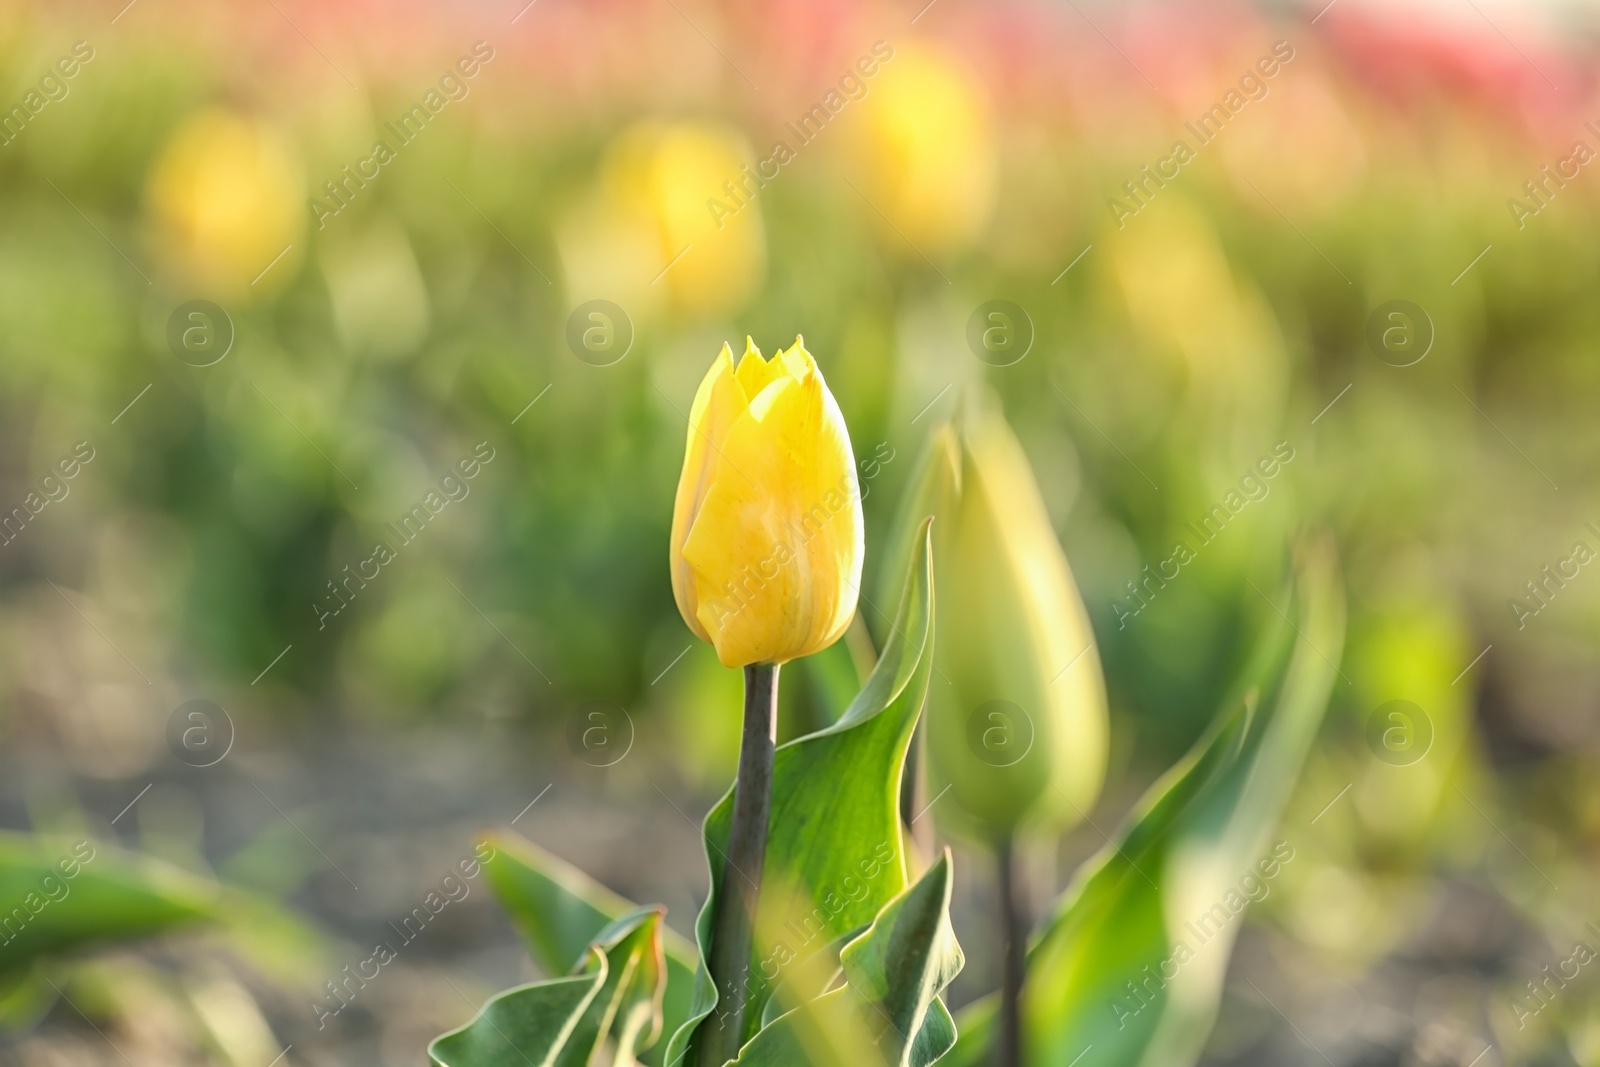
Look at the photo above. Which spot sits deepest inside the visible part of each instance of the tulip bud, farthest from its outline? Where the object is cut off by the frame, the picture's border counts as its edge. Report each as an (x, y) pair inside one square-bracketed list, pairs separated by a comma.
[(1017, 712), (766, 529)]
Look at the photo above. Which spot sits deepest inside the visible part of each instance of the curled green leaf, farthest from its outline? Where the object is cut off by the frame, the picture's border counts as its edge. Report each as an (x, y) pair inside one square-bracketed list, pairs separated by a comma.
[(886, 1012), (614, 999), (559, 910)]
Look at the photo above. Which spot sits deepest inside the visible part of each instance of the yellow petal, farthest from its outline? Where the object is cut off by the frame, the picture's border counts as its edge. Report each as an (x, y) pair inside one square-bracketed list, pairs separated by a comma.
[(717, 403), (799, 361), (755, 373), (776, 547)]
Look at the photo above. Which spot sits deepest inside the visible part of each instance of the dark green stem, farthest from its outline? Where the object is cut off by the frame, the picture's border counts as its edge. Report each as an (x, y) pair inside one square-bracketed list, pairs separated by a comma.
[(732, 923), (1014, 947)]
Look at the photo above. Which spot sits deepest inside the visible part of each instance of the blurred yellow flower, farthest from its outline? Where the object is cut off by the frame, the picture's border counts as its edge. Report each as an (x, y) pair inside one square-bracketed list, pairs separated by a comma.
[(1017, 723), (927, 144), (647, 235), (766, 529), (1184, 300), (225, 199)]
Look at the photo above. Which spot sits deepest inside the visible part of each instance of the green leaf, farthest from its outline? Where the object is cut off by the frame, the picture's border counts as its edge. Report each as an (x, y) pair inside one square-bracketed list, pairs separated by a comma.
[(560, 911), (534, 1021), (975, 1045), (627, 1007), (1119, 965), (57, 895), (834, 851), (887, 1012), (615, 996)]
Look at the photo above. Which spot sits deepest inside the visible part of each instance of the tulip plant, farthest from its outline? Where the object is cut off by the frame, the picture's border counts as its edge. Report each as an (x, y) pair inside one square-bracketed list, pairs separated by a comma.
[(766, 566), (1017, 736), (826, 936)]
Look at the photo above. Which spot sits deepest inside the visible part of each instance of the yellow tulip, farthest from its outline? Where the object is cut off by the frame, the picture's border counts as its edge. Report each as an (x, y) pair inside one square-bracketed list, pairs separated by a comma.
[(927, 142), (766, 529), (226, 197), (1017, 718), (645, 235)]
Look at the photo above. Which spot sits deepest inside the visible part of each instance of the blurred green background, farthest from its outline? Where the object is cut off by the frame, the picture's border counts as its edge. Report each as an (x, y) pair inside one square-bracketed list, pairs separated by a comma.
[(385, 315)]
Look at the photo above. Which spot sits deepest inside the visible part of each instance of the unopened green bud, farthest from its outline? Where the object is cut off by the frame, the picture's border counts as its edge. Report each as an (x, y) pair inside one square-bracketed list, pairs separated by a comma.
[(1016, 718)]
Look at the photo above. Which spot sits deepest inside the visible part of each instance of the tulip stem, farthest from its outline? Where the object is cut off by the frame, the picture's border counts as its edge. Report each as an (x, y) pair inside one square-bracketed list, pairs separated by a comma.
[(1013, 939), (734, 918)]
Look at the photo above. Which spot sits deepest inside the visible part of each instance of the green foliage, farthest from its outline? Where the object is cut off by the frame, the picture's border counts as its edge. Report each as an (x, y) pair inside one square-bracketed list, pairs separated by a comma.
[(1190, 841), (863, 985), (842, 946), (627, 1008), (887, 1010), (57, 896), (535, 1021), (560, 911), (835, 825), (613, 999)]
